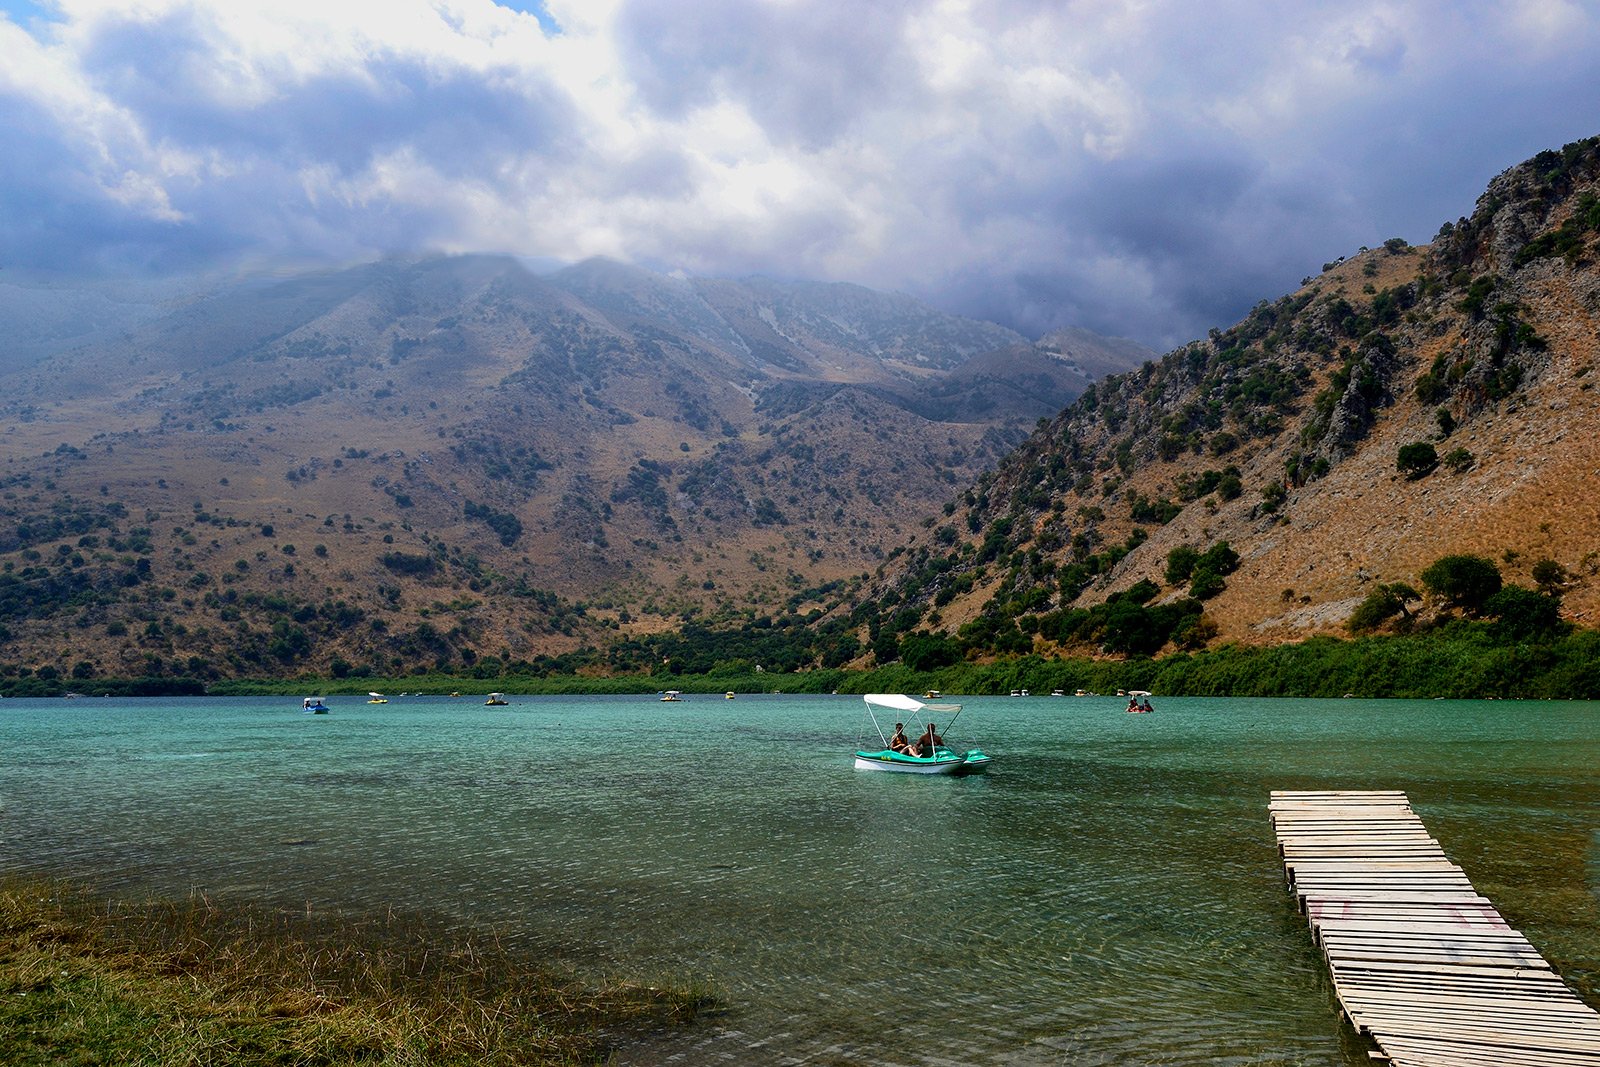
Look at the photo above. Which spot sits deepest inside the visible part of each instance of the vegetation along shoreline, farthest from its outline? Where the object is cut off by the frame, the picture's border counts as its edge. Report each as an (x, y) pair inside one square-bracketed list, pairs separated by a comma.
[(92, 978), (1462, 659)]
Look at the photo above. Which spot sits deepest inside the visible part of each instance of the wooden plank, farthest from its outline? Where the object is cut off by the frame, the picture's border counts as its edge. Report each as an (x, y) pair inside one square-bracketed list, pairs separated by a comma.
[(1421, 963)]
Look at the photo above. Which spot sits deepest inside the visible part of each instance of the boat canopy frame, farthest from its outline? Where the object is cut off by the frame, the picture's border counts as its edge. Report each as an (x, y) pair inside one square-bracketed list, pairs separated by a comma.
[(901, 703)]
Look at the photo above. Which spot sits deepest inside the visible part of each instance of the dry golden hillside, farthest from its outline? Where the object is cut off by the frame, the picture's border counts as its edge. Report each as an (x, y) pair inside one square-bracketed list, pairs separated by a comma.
[(406, 465), (1283, 435)]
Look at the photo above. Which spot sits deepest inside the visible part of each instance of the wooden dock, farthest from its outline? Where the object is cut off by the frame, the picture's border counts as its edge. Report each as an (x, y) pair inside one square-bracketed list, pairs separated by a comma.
[(1422, 963)]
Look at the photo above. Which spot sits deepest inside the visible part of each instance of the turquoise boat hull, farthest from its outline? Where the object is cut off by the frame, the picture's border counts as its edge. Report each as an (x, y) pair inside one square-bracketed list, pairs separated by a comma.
[(943, 761)]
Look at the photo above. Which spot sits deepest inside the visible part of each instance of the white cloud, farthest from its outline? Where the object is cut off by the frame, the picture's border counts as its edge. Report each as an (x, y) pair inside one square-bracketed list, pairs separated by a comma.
[(1148, 167)]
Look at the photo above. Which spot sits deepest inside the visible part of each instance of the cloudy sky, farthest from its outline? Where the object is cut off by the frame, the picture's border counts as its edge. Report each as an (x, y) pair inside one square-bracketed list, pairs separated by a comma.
[(1147, 168)]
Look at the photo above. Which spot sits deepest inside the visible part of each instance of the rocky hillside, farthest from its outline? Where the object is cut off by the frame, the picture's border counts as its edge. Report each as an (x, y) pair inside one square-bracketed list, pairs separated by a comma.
[(1405, 404), (410, 464)]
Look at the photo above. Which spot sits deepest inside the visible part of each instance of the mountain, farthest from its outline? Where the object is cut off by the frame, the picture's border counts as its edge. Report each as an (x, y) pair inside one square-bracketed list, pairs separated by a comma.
[(452, 459), (42, 315), (1406, 404), (1033, 380)]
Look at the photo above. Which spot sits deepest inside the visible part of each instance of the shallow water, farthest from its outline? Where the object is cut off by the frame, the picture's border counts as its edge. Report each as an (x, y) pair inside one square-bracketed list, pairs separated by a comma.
[(1108, 894)]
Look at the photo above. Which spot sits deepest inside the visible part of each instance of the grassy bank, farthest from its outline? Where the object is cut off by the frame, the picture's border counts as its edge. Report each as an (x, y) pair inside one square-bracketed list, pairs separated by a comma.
[(1461, 659), (85, 979)]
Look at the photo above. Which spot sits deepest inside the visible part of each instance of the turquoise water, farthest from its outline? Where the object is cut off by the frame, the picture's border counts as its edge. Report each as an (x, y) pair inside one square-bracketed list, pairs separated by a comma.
[(1108, 894)]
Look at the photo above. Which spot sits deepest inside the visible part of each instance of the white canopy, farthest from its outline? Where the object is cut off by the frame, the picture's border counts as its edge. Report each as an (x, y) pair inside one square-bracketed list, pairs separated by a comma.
[(898, 702)]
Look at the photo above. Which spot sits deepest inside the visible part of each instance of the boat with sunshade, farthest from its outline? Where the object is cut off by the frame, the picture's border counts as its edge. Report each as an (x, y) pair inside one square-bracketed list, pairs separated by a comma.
[(928, 754)]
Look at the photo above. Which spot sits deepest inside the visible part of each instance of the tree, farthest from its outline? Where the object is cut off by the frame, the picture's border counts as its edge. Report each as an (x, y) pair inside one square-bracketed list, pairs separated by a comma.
[(1550, 576), (1180, 564), (1130, 628), (1522, 613), (923, 651), (1463, 581), (1381, 605), (1220, 558), (1194, 632), (1206, 584), (1417, 459)]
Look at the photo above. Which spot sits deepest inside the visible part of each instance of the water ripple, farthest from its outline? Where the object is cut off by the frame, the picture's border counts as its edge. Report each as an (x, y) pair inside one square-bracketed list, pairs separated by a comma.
[(1109, 894)]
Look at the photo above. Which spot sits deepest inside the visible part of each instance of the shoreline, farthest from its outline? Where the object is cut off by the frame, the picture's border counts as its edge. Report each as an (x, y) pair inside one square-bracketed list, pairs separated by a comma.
[(1461, 660)]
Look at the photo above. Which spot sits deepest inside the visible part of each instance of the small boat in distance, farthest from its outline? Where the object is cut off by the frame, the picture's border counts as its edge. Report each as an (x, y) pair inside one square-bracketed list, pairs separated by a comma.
[(940, 759), (376, 698), (314, 706), (670, 695), (933, 694), (496, 700), (728, 695)]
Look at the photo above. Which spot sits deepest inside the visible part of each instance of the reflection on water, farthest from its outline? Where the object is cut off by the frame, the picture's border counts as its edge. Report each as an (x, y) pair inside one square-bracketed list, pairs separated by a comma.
[(1109, 894)]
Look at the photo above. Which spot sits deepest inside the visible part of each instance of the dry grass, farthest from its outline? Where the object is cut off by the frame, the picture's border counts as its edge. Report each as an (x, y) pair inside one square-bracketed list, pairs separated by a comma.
[(89, 979)]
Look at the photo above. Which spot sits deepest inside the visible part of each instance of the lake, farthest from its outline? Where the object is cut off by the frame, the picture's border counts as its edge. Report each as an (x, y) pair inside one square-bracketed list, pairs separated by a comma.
[(1108, 894)]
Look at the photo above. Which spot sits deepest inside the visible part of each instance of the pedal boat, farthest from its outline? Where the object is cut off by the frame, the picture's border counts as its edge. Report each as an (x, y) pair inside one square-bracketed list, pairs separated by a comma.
[(944, 760)]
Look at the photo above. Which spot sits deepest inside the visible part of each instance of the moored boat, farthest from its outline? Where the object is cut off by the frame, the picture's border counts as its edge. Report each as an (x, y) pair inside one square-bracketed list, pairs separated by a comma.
[(933, 755)]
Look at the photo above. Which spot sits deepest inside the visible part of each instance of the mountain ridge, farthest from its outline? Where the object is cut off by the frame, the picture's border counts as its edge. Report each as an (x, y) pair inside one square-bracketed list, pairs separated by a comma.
[(1284, 437), (473, 459)]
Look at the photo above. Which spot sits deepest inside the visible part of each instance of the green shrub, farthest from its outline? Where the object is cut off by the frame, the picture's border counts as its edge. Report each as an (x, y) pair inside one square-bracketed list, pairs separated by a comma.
[(1430, 389), (1180, 564), (1522, 613), (1381, 605), (1463, 581), (1417, 460), (1206, 584), (1272, 497), (1550, 576)]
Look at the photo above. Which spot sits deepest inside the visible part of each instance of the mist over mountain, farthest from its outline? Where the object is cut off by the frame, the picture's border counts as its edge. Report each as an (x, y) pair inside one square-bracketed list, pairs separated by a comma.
[(447, 458)]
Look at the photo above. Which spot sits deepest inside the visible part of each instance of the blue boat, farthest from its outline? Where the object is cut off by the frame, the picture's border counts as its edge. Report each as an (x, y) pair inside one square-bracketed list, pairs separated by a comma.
[(314, 706)]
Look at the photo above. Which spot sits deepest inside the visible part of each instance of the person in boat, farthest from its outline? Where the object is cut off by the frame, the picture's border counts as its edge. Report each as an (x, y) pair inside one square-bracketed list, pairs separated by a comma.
[(1146, 705), (926, 743), (1133, 704), (899, 742)]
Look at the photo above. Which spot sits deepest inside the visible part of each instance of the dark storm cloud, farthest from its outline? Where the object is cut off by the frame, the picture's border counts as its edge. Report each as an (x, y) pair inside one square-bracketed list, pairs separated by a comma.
[(806, 71), (54, 217), (341, 117), (1148, 169)]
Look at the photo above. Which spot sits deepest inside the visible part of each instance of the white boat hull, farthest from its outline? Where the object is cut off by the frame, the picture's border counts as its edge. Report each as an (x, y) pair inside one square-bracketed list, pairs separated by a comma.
[(947, 762), (931, 767)]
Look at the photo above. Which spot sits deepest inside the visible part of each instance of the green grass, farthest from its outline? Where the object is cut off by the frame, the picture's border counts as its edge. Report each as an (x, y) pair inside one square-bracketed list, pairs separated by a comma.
[(87, 979)]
